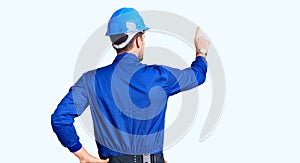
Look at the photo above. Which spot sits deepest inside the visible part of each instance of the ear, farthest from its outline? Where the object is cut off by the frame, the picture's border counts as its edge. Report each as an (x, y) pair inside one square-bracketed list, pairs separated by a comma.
[(138, 42)]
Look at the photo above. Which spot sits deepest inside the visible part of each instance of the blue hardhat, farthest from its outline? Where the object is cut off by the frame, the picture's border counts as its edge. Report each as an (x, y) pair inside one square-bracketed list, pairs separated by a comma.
[(125, 20)]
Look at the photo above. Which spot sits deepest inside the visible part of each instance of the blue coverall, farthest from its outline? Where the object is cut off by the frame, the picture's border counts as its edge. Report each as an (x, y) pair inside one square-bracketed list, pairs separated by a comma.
[(128, 102)]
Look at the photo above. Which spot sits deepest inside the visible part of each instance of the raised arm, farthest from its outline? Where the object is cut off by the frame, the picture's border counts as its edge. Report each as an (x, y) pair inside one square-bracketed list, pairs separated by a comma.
[(181, 80)]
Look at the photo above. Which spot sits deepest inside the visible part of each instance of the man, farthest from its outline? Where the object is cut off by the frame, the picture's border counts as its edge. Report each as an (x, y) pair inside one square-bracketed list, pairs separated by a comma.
[(127, 99)]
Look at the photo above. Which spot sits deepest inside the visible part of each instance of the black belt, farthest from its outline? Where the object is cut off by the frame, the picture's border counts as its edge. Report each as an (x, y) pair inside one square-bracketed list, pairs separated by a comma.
[(150, 158)]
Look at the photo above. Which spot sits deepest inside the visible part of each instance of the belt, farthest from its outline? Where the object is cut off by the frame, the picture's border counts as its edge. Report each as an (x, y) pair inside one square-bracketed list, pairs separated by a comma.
[(143, 158)]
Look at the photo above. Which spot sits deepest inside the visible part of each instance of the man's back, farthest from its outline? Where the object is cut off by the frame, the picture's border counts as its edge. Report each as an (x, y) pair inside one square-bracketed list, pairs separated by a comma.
[(131, 98), (128, 102), (128, 99)]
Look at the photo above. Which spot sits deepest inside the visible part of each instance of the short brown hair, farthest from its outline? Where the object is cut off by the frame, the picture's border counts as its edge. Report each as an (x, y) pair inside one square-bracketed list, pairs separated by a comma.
[(129, 45)]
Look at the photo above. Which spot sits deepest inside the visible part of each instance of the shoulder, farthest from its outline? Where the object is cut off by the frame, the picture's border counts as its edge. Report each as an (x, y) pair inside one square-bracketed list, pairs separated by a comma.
[(155, 68), (97, 70), (90, 74)]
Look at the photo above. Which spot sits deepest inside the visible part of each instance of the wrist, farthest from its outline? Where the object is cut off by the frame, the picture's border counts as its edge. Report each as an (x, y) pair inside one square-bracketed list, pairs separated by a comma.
[(201, 54), (80, 154)]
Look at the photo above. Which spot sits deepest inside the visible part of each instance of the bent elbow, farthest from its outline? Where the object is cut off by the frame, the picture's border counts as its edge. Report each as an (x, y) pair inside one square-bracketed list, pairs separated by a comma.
[(54, 121), (57, 120)]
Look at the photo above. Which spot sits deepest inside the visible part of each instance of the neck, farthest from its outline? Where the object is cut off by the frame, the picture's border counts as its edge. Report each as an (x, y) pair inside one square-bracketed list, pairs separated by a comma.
[(133, 51)]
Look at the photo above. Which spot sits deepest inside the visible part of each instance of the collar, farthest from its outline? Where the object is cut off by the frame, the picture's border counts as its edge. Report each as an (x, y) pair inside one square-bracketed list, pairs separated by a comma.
[(126, 57)]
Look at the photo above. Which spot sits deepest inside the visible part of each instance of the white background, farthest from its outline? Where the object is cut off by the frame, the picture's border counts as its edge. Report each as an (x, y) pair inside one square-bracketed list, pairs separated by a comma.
[(257, 42)]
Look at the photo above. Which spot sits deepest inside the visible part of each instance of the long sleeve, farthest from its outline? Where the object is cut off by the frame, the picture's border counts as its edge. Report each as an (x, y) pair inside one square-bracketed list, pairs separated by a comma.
[(71, 106), (182, 80)]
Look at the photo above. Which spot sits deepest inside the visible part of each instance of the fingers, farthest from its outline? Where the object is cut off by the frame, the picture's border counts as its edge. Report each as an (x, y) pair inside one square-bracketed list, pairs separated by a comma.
[(200, 41), (197, 34), (94, 160), (85, 157), (205, 43), (101, 161)]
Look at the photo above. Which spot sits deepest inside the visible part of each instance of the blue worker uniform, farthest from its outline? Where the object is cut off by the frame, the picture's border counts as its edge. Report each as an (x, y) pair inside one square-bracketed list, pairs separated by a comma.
[(128, 102)]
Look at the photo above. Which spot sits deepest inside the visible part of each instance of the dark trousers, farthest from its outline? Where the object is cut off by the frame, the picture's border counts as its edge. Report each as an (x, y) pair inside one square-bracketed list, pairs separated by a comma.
[(155, 158)]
